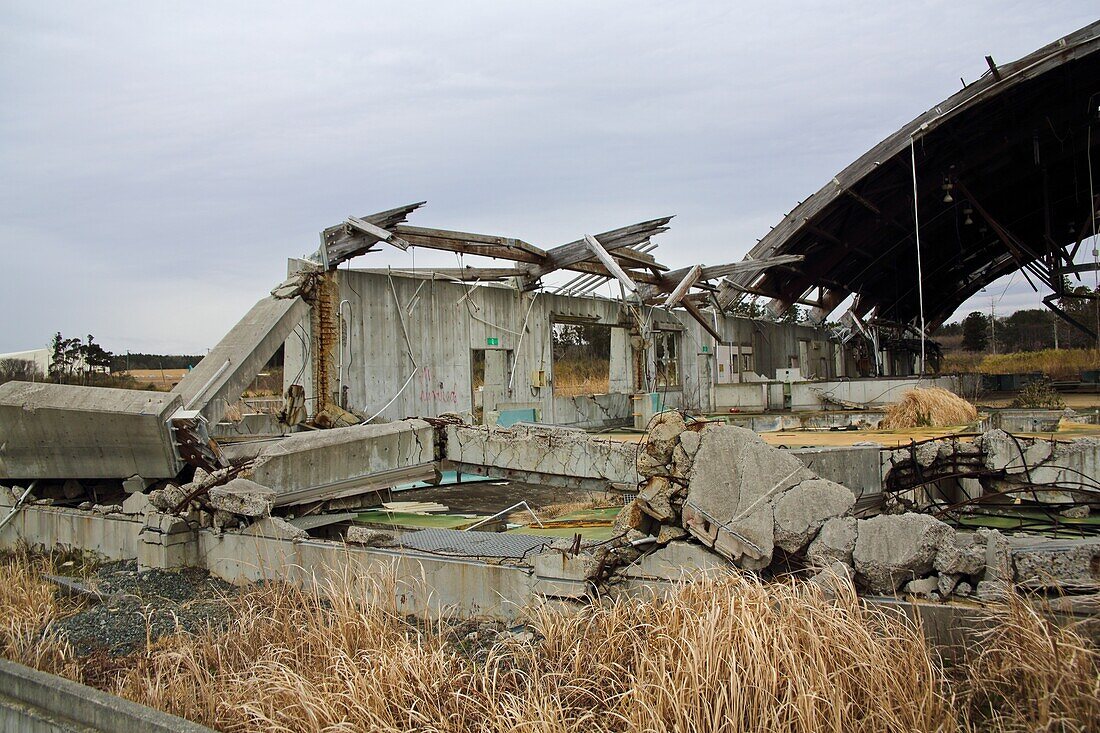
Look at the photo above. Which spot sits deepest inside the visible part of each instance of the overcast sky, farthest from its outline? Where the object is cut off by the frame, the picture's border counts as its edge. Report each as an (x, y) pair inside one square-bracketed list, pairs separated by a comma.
[(160, 161)]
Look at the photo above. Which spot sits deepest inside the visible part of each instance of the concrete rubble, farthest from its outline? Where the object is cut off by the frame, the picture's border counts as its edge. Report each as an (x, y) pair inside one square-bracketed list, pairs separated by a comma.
[(760, 508)]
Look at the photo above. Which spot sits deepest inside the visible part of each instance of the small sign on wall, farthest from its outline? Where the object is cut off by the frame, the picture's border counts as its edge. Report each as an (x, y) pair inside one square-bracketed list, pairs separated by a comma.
[(492, 341)]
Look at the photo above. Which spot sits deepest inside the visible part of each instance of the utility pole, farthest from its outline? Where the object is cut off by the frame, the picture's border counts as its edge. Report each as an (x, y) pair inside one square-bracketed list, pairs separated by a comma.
[(993, 324)]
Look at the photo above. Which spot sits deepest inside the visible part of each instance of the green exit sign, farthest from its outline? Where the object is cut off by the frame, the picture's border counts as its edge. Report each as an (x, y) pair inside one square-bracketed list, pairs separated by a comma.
[(492, 341), (706, 349)]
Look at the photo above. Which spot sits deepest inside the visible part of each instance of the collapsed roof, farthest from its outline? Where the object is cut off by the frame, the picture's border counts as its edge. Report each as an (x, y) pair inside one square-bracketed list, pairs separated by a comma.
[(1001, 174)]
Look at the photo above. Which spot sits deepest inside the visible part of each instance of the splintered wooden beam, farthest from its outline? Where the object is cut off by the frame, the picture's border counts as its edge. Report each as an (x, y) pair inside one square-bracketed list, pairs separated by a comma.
[(681, 289), (508, 243), (699, 316), (609, 262), (566, 255), (715, 271), (344, 241), (380, 234)]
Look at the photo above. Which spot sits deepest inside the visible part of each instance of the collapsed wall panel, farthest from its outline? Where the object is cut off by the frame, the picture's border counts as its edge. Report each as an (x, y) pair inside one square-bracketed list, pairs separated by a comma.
[(341, 462), (552, 456), (222, 377), (57, 431)]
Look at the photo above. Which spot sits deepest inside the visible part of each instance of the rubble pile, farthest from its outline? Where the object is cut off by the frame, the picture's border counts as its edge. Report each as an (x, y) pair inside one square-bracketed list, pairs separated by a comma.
[(761, 509)]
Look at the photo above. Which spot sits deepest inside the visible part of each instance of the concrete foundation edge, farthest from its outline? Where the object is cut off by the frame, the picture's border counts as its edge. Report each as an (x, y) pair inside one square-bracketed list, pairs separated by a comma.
[(37, 702)]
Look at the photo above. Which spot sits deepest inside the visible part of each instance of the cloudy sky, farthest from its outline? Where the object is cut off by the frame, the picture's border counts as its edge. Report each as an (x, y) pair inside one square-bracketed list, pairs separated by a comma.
[(160, 161)]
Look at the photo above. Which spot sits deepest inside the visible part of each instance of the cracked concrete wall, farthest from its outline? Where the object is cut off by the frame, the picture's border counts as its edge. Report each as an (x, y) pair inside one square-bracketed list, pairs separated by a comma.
[(306, 460), (431, 372), (543, 450)]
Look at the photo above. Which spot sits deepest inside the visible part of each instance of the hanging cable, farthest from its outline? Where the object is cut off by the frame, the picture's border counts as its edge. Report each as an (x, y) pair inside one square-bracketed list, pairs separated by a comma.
[(920, 273)]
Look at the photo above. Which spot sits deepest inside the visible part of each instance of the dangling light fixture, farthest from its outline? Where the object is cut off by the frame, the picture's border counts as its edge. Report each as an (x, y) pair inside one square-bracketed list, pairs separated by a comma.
[(968, 211), (947, 197)]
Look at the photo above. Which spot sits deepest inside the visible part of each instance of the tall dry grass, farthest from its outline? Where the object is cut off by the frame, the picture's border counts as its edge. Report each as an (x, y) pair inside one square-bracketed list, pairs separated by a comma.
[(28, 608), (1055, 363), (928, 407), (575, 377), (721, 654), (1030, 673)]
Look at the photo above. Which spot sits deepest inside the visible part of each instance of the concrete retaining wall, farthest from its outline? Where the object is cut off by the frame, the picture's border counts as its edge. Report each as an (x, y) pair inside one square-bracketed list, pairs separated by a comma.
[(36, 702), (112, 536)]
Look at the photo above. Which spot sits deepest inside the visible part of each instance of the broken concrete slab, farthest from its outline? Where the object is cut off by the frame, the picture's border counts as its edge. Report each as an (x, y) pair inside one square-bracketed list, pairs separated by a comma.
[(555, 456), (833, 579), (924, 587), (242, 497), (961, 553), (137, 504), (663, 434), (801, 511), (735, 480), (892, 549), (677, 561), (1055, 563), (61, 431), (367, 536), (564, 566), (276, 528), (341, 462), (835, 542)]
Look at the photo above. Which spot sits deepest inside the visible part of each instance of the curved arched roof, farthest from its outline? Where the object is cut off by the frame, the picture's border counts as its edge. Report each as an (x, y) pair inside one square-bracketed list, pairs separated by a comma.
[(1013, 147)]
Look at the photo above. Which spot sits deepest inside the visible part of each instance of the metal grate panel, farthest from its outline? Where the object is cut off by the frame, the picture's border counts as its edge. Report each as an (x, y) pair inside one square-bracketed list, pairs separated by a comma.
[(473, 544)]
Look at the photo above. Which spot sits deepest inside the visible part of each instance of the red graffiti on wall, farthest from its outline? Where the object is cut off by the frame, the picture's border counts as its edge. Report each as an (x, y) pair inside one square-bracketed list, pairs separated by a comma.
[(432, 390)]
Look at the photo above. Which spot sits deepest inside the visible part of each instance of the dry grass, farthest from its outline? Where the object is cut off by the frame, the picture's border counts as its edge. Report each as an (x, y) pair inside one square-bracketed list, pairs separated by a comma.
[(1055, 363), (575, 377), (730, 654), (928, 407), (28, 608), (1032, 674)]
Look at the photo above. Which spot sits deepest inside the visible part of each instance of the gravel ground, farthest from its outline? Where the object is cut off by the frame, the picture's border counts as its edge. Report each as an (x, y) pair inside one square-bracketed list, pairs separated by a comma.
[(144, 606)]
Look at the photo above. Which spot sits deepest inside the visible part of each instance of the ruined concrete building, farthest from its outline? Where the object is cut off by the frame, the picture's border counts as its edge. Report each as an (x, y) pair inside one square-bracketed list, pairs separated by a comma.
[(394, 377)]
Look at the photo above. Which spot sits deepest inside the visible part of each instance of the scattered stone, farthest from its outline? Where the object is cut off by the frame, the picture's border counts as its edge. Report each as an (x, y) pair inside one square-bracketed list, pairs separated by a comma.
[(681, 462), (947, 584), (834, 542), (107, 509), (276, 528), (663, 434), (224, 520), (961, 553), (136, 504), (992, 591), (924, 587), (632, 517), (366, 536), (801, 511), (135, 484), (85, 505), (1080, 511), (668, 533), (650, 466), (653, 499), (678, 561), (243, 497), (893, 549), (834, 579), (963, 589), (168, 498)]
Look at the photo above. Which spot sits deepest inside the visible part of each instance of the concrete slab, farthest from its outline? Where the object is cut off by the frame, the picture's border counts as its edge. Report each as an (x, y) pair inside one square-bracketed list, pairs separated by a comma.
[(60, 431)]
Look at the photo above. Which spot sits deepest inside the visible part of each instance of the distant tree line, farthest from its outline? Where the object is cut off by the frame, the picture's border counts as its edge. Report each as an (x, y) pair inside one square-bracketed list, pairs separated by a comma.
[(133, 361), (73, 360), (1028, 330)]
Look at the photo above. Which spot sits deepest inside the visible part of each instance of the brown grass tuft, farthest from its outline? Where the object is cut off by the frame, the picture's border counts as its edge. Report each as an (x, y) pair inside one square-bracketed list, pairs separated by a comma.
[(28, 608), (929, 407), (1032, 674)]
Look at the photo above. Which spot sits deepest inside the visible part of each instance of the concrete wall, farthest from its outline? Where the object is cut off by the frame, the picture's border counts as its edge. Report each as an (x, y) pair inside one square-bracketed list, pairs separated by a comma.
[(36, 702), (343, 455), (113, 537), (883, 391), (64, 431), (445, 321)]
